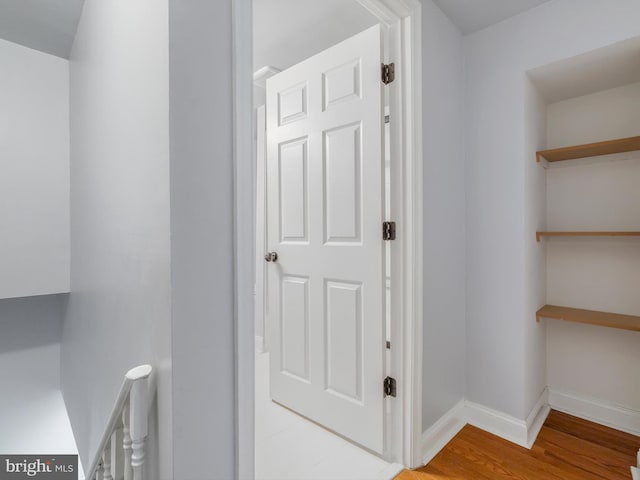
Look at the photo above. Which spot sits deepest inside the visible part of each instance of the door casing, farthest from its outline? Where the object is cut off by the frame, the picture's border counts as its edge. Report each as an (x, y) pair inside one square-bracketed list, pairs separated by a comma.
[(401, 20)]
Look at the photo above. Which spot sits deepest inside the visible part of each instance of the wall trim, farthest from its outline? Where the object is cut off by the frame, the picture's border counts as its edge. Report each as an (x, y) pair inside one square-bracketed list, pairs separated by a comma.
[(442, 432), (537, 416), (525, 432), (596, 410), (403, 22), (244, 245), (520, 432), (501, 424)]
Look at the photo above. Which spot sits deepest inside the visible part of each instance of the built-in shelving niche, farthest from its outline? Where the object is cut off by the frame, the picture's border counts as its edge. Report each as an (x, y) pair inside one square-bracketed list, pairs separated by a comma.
[(591, 317)]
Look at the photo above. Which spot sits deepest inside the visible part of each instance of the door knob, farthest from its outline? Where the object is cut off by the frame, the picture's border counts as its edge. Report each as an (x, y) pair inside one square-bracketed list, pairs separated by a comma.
[(271, 257)]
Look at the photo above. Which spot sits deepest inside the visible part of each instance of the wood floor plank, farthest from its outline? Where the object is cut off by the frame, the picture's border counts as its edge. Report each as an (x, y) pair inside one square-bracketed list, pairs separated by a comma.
[(520, 459), (455, 462), (567, 448), (593, 432), (561, 447), (410, 475), (433, 474)]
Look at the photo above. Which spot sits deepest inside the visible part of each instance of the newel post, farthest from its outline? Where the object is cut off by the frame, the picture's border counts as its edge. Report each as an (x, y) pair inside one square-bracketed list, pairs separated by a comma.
[(138, 418)]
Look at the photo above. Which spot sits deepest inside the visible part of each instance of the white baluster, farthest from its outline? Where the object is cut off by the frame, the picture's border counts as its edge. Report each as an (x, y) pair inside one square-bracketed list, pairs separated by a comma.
[(117, 455), (139, 417), (100, 472), (106, 460), (138, 458), (126, 444)]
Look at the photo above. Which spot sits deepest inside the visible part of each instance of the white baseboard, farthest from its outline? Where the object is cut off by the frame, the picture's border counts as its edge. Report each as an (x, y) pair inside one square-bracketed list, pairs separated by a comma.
[(440, 433), (596, 410), (521, 432), (536, 418), (498, 423), (525, 432)]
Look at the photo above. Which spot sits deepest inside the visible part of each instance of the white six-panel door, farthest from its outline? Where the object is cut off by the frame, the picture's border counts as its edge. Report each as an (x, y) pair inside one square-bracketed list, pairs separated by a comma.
[(325, 211)]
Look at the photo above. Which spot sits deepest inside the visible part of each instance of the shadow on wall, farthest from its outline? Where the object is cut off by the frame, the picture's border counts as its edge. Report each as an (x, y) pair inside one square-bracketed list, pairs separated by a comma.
[(32, 412), (31, 322)]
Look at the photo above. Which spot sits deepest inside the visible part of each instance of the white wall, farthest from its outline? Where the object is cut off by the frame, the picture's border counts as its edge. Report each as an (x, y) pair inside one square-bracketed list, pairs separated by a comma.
[(119, 311), (34, 172), (202, 246), (604, 115), (32, 413), (599, 273), (502, 367), (444, 215)]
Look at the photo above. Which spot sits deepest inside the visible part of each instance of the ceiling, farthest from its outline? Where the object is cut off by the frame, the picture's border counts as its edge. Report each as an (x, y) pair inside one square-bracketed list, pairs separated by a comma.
[(50, 25), (45, 25), (473, 15)]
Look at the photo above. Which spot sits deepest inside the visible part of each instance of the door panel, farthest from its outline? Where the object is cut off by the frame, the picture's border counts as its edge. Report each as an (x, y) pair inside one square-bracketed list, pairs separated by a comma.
[(343, 190), (294, 331), (325, 203), (344, 339), (292, 104), (341, 84), (294, 193)]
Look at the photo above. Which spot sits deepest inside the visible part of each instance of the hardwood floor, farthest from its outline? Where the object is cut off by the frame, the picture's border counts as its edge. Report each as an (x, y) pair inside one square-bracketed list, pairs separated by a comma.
[(568, 448)]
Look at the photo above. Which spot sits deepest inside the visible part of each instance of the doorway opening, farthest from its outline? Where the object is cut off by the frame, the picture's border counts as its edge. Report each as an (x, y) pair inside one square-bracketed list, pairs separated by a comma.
[(400, 24)]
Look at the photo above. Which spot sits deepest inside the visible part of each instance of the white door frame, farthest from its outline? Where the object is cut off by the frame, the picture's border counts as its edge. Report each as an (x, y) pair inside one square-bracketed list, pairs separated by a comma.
[(260, 297), (402, 19)]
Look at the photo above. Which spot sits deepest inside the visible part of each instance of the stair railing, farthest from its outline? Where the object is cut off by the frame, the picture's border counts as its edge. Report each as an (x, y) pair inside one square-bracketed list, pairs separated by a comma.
[(122, 449)]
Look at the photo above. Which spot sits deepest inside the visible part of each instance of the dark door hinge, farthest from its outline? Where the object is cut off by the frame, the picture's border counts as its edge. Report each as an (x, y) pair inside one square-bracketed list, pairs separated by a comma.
[(388, 230), (388, 73), (389, 387)]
